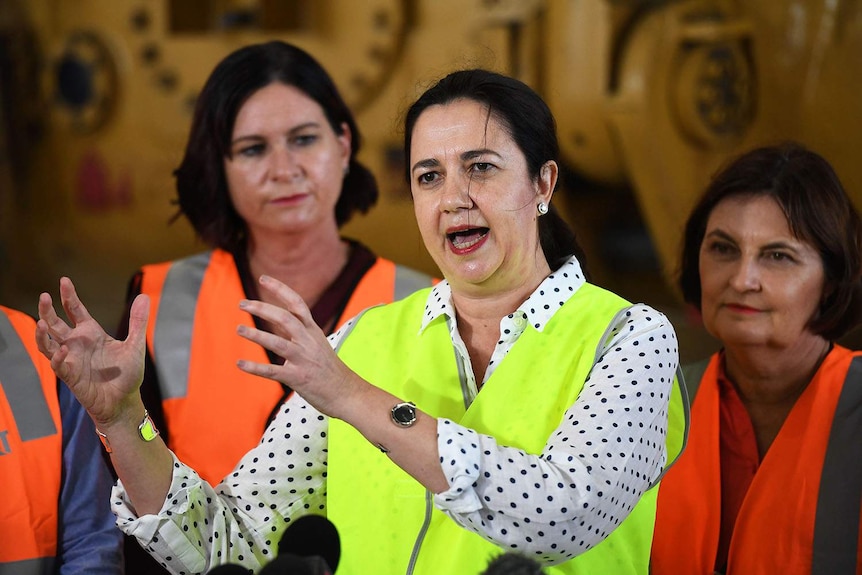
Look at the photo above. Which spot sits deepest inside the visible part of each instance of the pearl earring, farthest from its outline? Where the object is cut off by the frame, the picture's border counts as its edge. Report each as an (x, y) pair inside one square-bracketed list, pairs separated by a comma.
[(542, 208)]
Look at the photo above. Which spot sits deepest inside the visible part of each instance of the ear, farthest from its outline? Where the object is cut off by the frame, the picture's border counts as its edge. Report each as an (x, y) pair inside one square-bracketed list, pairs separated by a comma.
[(345, 138), (546, 183)]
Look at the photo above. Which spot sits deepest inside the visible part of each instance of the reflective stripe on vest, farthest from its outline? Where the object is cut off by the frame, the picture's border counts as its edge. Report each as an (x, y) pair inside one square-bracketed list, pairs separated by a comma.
[(693, 373), (19, 378), (43, 566), (176, 322), (836, 525), (408, 281)]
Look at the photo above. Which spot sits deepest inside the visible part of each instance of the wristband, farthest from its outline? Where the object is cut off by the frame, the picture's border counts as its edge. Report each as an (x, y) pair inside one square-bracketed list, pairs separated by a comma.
[(146, 430)]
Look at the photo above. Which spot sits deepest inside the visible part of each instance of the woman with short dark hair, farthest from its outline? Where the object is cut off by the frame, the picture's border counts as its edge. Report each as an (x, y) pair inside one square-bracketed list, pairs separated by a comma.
[(771, 478), (268, 178)]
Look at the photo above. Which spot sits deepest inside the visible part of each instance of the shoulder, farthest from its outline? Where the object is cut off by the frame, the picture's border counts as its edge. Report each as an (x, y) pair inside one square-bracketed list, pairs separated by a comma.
[(640, 323), (18, 318), (216, 255)]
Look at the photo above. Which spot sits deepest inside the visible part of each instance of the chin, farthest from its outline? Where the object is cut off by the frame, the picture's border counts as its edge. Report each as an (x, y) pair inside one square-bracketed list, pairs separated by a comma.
[(739, 338)]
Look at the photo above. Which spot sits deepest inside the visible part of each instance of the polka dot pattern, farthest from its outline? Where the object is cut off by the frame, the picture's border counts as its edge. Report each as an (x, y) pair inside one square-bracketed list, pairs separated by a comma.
[(596, 465), (592, 471), (242, 519)]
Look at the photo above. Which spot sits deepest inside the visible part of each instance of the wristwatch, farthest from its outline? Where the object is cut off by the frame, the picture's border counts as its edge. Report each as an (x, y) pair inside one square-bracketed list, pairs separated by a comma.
[(404, 414)]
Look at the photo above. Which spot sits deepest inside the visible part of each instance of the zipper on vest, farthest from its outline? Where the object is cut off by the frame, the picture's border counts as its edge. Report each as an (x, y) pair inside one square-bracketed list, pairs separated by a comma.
[(414, 555)]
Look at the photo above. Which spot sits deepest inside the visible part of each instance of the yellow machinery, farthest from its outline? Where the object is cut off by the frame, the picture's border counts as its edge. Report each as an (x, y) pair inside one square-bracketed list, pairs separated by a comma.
[(651, 97)]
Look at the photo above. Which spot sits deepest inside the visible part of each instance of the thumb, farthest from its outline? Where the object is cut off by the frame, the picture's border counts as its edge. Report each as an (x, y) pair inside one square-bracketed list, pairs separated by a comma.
[(139, 316)]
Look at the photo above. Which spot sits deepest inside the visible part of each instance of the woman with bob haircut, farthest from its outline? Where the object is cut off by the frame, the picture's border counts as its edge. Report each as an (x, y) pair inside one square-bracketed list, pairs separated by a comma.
[(771, 478), (269, 176)]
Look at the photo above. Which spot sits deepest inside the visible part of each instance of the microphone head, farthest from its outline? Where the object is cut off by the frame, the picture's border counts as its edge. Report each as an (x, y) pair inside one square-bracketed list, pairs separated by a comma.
[(309, 536), (511, 563), (229, 569), (288, 564)]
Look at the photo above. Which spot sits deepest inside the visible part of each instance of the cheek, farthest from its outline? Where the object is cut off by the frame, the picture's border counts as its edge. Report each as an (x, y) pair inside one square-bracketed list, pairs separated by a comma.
[(427, 226), (805, 297), (238, 177), (708, 285)]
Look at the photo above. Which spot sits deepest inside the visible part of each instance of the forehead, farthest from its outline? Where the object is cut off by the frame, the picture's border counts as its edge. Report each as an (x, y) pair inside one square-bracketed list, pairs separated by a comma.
[(753, 217), (461, 123), (281, 99)]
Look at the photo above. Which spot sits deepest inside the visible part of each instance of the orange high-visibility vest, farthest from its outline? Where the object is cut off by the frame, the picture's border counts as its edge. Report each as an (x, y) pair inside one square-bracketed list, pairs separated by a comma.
[(215, 412), (30, 450), (801, 514)]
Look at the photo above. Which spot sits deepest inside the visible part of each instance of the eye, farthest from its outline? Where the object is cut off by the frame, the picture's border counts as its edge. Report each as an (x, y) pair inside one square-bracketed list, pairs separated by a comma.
[(304, 140), (481, 167), (427, 177), (777, 256), (720, 248), (251, 151)]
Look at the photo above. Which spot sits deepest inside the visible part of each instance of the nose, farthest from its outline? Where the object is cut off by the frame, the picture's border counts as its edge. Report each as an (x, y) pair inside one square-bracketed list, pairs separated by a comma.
[(746, 276), (456, 195), (284, 165)]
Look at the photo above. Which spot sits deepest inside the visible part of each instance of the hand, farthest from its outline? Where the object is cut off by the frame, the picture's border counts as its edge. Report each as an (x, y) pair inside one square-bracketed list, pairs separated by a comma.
[(102, 372), (311, 367)]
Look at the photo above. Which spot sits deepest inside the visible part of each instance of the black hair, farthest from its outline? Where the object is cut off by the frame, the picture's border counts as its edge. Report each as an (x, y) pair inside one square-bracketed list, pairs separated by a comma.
[(529, 121), (202, 193)]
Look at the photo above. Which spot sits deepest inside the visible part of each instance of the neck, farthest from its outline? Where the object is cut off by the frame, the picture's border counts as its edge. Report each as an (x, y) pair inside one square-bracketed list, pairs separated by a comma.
[(307, 262), (773, 377), (770, 381), (479, 319), (483, 305)]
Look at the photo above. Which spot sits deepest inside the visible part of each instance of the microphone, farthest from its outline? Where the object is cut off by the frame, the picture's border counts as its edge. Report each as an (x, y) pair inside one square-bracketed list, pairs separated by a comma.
[(296, 565), (511, 563), (311, 536), (229, 569)]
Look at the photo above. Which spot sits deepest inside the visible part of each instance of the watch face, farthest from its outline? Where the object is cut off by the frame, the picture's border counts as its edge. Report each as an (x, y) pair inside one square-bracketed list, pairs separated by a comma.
[(404, 414)]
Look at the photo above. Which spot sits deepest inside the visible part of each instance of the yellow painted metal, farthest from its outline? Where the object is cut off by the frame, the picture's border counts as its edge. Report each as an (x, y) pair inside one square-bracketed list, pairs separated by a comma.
[(649, 95)]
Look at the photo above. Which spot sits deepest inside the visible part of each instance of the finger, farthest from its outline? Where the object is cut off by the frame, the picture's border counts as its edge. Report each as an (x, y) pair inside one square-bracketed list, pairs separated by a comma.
[(75, 309), (55, 327), (266, 370), (283, 321), (139, 316), (291, 300), (44, 343), (270, 341), (58, 363)]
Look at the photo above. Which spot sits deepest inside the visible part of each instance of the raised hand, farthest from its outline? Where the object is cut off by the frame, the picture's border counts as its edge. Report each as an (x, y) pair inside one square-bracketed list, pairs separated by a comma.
[(102, 372), (311, 367)]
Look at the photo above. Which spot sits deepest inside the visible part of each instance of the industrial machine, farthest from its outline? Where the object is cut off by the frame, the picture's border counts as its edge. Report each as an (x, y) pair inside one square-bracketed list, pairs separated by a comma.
[(651, 96)]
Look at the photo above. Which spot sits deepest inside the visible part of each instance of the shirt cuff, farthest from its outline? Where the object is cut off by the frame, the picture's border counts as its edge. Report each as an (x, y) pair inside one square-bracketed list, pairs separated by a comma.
[(145, 527), (459, 457)]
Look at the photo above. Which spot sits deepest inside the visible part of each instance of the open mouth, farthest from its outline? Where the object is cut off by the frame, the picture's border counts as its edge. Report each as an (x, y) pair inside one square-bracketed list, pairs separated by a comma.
[(466, 239)]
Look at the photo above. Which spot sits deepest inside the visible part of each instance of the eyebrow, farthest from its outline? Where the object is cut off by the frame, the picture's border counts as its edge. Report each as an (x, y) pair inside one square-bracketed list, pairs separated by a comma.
[(770, 246), (465, 156), (293, 130)]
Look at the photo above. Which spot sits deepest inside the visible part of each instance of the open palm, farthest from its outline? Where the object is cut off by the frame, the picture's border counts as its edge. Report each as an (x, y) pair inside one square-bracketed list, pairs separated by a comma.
[(104, 373)]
